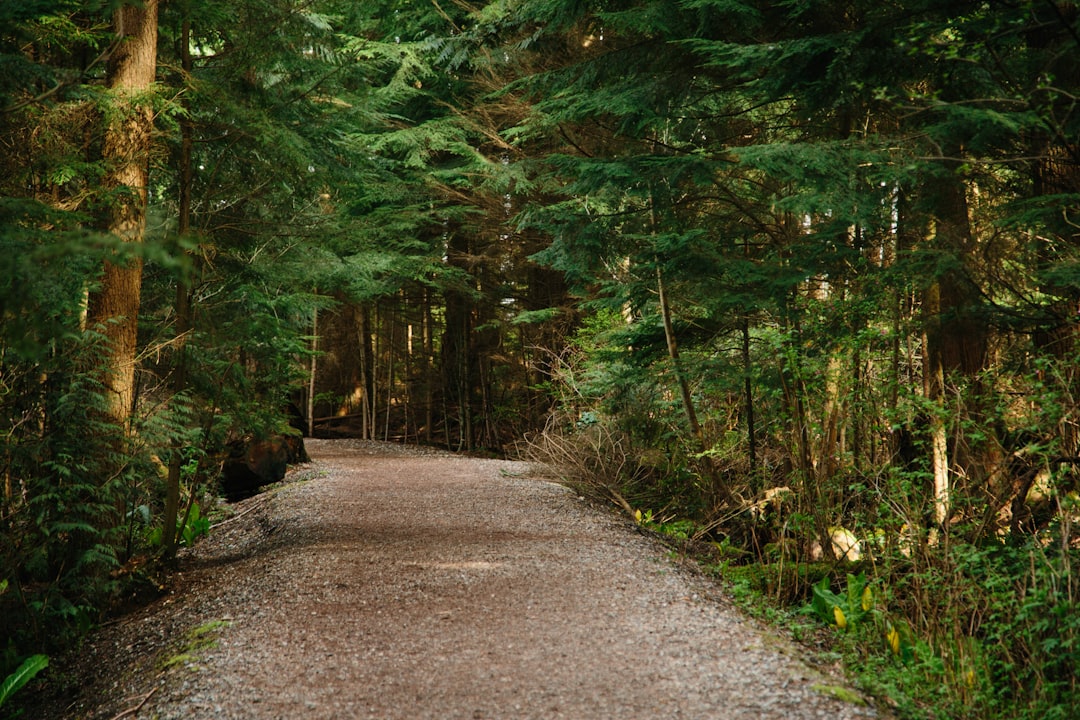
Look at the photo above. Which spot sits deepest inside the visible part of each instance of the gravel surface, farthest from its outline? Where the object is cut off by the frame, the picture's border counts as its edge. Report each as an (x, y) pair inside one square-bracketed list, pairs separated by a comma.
[(409, 583)]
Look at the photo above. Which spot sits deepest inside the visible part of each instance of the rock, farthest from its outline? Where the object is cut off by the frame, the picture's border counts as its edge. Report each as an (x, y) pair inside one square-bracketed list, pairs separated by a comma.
[(845, 546), (254, 462)]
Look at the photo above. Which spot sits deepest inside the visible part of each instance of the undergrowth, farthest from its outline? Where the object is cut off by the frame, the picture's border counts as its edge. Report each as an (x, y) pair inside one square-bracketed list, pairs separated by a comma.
[(960, 625)]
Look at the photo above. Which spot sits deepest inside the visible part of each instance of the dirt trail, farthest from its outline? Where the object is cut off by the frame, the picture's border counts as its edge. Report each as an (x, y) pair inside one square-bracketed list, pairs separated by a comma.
[(411, 585)]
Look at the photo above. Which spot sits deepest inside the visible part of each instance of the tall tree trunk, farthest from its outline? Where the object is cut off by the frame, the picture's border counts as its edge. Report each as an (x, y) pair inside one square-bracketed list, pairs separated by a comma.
[(748, 402), (831, 448), (458, 348), (794, 393), (934, 389), (367, 381), (956, 338), (389, 371), (313, 374), (719, 487), (429, 363), (114, 307), (182, 307)]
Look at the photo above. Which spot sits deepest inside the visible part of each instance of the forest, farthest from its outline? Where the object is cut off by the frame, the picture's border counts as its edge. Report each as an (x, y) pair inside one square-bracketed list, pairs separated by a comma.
[(794, 283)]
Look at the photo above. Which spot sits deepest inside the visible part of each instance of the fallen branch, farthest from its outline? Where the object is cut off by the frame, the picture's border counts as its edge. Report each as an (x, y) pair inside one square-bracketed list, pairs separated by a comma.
[(241, 514), (137, 708)]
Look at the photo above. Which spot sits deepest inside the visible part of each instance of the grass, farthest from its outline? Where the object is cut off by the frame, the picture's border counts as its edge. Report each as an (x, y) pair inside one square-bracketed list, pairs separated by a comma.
[(197, 640)]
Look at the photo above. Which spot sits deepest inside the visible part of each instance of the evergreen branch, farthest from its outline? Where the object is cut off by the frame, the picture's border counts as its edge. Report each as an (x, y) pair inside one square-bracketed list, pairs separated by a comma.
[(566, 136), (447, 18), (314, 87), (103, 56), (981, 160)]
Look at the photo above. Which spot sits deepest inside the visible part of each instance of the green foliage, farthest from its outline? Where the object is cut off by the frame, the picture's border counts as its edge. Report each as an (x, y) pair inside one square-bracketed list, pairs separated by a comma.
[(843, 611), (192, 525), (834, 198), (66, 467), (197, 640), (24, 674), (787, 171), (195, 527)]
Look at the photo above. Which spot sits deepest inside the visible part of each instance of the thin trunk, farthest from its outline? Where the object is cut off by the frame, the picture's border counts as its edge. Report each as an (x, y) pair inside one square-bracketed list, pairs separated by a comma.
[(748, 391), (941, 470), (720, 488), (672, 345), (406, 392), (857, 400), (894, 360), (676, 363), (389, 377), (457, 349), (748, 399), (794, 392), (429, 357), (826, 458), (364, 332), (465, 393), (375, 326), (314, 371), (182, 307), (934, 389)]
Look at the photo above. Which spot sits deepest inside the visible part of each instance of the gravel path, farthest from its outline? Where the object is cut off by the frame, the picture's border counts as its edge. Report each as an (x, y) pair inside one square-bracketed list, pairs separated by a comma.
[(424, 585)]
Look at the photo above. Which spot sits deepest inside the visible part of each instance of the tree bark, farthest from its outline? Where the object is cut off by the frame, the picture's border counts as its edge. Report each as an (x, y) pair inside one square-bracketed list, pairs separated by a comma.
[(748, 402), (934, 389), (182, 308), (367, 374), (676, 363), (956, 338), (114, 307), (719, 485), (429, 356), (313, 375), (458, 349)]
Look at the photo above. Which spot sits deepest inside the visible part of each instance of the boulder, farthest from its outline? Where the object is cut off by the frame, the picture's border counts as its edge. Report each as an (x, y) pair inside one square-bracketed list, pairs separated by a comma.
[(255, 462)]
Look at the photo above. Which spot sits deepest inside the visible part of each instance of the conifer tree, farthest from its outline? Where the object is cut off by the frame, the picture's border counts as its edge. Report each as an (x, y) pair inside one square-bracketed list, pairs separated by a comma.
[(114, 307)]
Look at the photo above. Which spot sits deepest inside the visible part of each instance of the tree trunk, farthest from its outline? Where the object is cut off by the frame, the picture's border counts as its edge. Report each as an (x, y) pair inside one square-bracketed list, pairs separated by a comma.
[(313, 374), (748, 401), (367, 384), (934, 389), (389, 372), (676, 363), (429, 363), (114, 307), (182, 308), (458, 368), (956, 338), (720, 488), (794, 393)]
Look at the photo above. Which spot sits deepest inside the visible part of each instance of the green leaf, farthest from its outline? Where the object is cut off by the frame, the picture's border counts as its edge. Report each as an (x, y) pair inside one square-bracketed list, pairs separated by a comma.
[(30, 667), (527, 317), (824, 600)]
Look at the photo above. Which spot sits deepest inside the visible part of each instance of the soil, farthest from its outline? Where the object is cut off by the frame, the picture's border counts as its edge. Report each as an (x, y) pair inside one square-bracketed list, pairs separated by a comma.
[(391, 582)]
